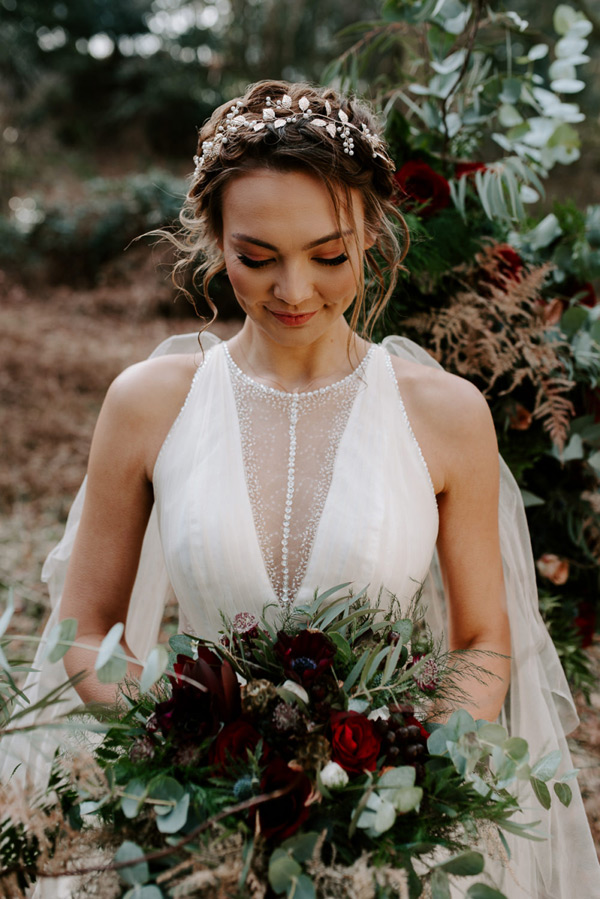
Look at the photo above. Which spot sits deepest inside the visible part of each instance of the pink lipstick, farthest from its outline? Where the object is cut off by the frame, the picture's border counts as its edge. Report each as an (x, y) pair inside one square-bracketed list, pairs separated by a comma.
[(293, 319)]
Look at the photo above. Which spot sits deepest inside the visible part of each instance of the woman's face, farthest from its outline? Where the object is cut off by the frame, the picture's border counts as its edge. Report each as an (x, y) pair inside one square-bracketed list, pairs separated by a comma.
[(285, 256)]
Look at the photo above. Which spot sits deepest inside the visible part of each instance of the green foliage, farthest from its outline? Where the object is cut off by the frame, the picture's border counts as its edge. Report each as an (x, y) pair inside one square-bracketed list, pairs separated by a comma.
[(469, 82), (66, 242)]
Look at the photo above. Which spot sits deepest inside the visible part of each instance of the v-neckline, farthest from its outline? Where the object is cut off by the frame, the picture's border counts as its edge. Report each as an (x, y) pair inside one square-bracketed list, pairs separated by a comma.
[(294, 399)]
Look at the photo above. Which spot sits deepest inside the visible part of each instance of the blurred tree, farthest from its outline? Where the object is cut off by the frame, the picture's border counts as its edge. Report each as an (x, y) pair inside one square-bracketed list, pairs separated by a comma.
[(106, 72)]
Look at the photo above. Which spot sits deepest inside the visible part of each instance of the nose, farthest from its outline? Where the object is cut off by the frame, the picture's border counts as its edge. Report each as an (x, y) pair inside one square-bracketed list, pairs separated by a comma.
[(293, 285)]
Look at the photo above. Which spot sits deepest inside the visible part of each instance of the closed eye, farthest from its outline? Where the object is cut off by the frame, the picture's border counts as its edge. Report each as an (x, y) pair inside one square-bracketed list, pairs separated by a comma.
[(252, 263), (337, 260)]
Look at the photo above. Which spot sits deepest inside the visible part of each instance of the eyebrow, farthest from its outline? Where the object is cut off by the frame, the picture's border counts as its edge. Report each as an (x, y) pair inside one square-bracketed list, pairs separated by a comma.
[(309, 246)]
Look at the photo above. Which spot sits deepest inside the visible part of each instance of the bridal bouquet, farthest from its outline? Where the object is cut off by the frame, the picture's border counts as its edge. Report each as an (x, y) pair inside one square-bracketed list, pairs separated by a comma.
[(294, 758)]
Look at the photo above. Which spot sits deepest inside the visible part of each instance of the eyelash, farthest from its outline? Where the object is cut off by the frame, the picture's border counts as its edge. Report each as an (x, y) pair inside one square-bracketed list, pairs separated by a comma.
[(256, 263)]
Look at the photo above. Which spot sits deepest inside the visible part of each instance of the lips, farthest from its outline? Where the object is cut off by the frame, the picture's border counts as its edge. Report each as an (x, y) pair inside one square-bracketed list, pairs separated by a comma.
[(293, 319)]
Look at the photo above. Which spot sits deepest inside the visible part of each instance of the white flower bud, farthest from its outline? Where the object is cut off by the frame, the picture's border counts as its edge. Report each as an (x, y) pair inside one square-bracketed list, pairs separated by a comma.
[(381, 712), (292, 687), (333, 776)]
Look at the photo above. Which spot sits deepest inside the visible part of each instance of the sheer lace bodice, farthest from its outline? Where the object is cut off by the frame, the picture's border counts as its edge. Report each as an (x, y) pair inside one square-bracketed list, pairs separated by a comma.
[(289, 446), (265, 495)]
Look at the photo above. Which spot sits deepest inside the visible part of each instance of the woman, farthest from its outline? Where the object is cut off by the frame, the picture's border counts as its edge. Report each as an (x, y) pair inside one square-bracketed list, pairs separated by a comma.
[(298, 455)]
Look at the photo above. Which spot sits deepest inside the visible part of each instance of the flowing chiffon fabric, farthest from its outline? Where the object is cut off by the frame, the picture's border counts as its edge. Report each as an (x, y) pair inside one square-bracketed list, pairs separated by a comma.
[(377, 527)]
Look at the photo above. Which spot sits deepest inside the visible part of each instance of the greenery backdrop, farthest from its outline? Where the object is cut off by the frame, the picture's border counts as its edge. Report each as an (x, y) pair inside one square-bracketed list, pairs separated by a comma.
[(99, 106)]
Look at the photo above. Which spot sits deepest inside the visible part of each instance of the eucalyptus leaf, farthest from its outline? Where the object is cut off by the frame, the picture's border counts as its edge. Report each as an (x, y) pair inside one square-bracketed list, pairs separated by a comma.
[(302, 845), (136, 791), (282, 869), (538, 51), (112, 671), (517, 749), (541, 791), (466, 864), (569, 46), (148, 891), (492, 733), (544, 233), (154, 667), (176, 818), (60, 639), (530, 499), (564, 793), (110, 645), (440, 885), (483, 891), (511, 90), (564, 18), (303, 888), (184, 645), (547, 767), (567, 85), (134, 874)]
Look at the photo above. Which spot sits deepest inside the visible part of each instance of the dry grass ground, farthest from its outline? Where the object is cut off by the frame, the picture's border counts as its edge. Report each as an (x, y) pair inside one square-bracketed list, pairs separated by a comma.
[(58, 353)]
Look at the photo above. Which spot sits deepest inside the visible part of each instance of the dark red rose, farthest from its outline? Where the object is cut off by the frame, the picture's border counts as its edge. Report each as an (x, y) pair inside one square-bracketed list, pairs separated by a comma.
[(468, 168), (592, 402), (586, 622), (205, 693), (587, 294), (283, 816), (423, 187), (306, 655), (233, 742), (502, 264), (355, 743)]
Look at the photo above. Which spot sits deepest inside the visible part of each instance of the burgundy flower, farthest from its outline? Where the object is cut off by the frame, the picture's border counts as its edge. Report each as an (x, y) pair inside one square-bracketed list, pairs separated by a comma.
[(423, 187), (501, 263), (283, 816), (306, 655), (195, 709), (587, 294), (355, 743), (233, 742), (468, 168), (585, 622)]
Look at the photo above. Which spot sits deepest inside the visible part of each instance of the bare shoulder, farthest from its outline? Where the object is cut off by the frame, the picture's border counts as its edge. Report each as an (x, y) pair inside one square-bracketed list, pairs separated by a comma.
[(450, 417), (143, 402), (163, 378)]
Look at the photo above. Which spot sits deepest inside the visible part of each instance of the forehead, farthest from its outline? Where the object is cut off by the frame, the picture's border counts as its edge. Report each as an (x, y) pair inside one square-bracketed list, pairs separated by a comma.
[(287, 203)]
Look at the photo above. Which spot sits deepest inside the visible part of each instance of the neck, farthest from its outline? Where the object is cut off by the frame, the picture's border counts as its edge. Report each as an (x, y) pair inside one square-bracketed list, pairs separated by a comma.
[(297, 369)]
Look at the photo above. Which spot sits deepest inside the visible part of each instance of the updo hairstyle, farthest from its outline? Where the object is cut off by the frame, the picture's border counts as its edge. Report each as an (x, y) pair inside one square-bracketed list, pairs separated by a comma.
[(286, 127)]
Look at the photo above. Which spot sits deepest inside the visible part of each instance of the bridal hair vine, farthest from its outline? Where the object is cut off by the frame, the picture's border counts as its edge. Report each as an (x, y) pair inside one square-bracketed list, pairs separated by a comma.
[(276, 114)]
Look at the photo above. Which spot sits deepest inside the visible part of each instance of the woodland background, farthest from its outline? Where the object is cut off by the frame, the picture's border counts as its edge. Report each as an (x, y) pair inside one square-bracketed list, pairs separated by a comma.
[(99, 106)]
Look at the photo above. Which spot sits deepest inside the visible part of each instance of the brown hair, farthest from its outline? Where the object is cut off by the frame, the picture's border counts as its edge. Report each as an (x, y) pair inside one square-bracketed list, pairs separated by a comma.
[(302, 144)]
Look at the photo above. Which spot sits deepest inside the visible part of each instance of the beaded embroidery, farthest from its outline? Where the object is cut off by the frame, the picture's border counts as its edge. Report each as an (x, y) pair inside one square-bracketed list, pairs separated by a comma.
[(289, 447)]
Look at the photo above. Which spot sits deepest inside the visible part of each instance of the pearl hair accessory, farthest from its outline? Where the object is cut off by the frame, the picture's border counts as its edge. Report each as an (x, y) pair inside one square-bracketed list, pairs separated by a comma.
[(279, 113)]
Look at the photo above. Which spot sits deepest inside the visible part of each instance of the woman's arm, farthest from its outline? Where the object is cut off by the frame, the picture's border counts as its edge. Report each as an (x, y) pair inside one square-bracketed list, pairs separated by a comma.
[(469, 548), (453, 424), (138, 411)]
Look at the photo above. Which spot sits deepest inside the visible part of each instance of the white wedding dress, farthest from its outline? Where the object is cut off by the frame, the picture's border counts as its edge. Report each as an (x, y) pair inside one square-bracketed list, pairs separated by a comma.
[(263, 497)]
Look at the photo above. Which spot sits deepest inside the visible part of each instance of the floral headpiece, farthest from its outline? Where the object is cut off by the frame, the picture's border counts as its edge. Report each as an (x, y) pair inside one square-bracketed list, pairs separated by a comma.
[(279, 113)]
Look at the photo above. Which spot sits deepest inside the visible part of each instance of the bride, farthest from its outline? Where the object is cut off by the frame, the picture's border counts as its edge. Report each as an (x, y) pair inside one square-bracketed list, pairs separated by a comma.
[(298, 455)]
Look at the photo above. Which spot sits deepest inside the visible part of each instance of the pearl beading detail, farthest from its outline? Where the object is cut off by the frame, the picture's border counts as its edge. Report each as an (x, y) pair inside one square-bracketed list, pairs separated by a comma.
[(303, 494)]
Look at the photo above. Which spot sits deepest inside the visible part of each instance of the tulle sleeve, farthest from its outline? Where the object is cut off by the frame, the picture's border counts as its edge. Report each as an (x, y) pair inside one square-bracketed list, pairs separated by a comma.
[(31, 754), (539, 706)]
